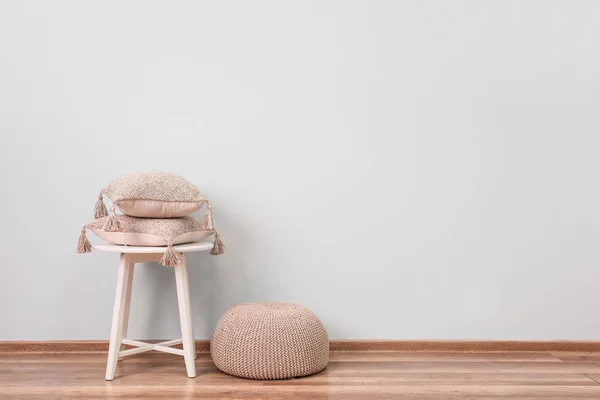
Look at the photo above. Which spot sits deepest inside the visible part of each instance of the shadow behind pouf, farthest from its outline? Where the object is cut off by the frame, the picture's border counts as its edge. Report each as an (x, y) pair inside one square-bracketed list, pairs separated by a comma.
[(270, 341)]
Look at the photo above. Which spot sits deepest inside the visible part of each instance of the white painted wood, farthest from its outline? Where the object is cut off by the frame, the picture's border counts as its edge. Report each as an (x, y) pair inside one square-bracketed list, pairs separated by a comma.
[(120, 322), (142, 347), (179, 352), (116, 333), (172, 342), (184, 317), (136, 343), (182, 248), (188, 296), (137, 350), (144, 258), (139, 343), (128, 286)]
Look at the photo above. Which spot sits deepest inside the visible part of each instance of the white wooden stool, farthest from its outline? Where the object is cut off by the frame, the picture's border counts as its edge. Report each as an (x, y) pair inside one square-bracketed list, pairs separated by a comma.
[(118, 334)]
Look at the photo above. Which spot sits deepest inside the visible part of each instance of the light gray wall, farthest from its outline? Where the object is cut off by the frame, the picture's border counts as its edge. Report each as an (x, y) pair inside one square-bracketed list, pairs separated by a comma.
[(406, 169)]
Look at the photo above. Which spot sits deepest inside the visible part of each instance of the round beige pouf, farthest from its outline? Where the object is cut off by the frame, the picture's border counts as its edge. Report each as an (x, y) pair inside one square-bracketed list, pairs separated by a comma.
[(270, 341)]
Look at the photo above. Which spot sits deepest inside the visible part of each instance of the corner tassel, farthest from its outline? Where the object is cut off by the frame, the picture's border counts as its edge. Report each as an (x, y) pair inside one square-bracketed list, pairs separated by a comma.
[(84, 245), (100, 209), (218, 247), (208, 224), (171, 258), (112, 223)]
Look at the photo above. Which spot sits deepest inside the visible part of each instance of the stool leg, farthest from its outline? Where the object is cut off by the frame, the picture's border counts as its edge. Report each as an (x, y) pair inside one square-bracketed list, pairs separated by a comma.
[(189, 308), (129, 284), (183, 298), (116, 332)]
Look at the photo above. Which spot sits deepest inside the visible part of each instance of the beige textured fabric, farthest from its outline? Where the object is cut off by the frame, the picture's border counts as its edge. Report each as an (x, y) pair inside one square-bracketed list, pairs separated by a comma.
[(143, 239), (157, 209), (151, 231), (154, 195), (270, 341)]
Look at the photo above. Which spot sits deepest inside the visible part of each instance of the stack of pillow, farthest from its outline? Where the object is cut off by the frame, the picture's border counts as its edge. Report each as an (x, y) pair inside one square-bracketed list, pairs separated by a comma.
[(156, 208)]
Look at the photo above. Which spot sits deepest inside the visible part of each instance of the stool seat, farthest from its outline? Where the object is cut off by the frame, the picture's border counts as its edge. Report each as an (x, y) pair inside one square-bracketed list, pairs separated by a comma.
[(119, 248), (270, 341)]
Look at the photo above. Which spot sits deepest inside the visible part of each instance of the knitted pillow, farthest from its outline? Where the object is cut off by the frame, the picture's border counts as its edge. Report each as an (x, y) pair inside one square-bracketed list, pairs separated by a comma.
[(151, 232), (152, 195)]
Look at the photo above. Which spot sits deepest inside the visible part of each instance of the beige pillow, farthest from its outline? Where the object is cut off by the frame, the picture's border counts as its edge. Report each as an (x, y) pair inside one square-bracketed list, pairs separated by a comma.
[(152, 195), (151, 232)]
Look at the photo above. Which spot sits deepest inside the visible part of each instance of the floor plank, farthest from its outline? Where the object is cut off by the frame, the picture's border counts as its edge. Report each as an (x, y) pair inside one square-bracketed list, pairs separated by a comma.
[(341, 356), (595, 377), (590, 357), (350, 375), (441, 357), (212, 377), (344, 368), (377, 367), (78, 358), (308, 392)]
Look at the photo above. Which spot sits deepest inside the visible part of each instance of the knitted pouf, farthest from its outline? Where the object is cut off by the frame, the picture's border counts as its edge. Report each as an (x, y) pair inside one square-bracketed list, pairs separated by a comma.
[(270, 341)]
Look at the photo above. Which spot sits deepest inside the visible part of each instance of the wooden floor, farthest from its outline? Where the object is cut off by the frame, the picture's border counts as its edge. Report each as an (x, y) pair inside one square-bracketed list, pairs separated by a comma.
[(350, 375)]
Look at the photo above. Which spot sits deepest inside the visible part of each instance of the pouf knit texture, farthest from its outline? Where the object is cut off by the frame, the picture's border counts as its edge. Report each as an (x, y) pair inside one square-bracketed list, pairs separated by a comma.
[(270, 341)]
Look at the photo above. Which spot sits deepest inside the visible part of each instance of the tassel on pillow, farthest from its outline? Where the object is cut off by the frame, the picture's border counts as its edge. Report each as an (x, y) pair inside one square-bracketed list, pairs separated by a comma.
[(218, 247), (171, 258), (112, 223), (208, 224), (84, 245), (100, 208)]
